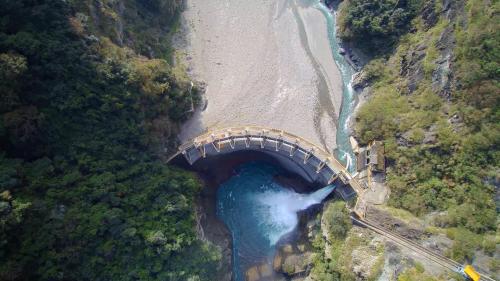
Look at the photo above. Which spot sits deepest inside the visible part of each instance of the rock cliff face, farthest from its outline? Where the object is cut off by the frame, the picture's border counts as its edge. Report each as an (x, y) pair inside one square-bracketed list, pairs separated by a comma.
[(412, 64), (211, 229), (431, 57)]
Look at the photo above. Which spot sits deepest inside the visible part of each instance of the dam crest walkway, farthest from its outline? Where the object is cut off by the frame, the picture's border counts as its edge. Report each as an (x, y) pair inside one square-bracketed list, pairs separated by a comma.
[(312, 162)]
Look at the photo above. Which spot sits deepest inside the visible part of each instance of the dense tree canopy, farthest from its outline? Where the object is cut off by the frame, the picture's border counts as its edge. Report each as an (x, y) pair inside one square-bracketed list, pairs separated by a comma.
[(83, 195), (375, 25)]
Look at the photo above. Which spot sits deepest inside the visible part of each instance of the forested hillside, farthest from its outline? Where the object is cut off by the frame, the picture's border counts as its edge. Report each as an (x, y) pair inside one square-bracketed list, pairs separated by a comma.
[(433, 98), (375, 26), (88, 99)]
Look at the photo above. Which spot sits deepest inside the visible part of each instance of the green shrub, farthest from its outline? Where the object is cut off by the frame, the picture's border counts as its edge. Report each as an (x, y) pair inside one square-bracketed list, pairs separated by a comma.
[(414, 274), (337, 220), (455, 171), (464, 244)]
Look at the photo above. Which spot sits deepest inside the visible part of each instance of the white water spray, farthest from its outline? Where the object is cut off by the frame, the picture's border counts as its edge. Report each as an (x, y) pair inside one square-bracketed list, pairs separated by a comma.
[(278, 209)]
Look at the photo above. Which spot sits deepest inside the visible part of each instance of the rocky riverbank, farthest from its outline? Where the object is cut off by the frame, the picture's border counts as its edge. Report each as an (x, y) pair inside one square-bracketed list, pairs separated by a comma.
[(215, 171), (294, 255)]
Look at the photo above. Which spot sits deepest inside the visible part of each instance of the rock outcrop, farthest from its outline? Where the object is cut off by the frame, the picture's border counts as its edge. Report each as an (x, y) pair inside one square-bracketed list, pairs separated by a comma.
[(259, 272), (292, 260), (411, 67)]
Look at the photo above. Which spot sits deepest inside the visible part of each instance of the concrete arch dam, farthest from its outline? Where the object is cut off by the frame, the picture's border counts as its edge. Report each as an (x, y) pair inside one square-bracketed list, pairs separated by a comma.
[(293, 152)]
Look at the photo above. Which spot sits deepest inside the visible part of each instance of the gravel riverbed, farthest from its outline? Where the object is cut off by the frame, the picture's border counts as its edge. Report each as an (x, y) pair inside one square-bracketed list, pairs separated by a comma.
[(264, 63)]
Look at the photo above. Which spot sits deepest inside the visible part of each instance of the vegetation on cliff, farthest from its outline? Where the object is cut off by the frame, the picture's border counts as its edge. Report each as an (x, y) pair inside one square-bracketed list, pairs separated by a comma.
[(88, 99), (376, 25), (435, 104), (332, 266)]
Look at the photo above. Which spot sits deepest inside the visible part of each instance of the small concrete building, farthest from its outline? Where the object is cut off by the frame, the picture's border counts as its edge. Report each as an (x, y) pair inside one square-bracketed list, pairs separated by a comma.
[(377, 157), (371, 157)]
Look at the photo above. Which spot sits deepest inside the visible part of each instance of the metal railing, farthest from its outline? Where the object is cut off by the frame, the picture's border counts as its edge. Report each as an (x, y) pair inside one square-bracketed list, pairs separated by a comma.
[(214, 134)]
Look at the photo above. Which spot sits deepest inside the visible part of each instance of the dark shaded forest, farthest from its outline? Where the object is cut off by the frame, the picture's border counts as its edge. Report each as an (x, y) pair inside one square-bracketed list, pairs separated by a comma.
[(376, 25), (84, 110)]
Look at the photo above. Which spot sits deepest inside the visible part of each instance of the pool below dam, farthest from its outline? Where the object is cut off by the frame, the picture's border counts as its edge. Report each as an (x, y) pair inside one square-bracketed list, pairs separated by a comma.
[(259, 211)]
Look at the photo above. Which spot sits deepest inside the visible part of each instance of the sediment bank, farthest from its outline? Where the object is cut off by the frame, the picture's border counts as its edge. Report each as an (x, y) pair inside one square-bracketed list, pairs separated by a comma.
[(267, 64)]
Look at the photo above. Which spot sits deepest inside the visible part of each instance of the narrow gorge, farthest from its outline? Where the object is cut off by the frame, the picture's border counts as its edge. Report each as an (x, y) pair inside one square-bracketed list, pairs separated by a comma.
[(260, 211), (245, 140)]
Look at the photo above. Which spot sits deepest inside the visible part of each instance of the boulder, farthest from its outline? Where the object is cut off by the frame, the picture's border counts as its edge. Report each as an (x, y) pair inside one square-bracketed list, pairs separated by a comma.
[(430, 137), (278, 259), (292, 260), (301, 247), (402, 140), (259, 272), (287, 249), (252, 274), (296, 263), (265, 271)]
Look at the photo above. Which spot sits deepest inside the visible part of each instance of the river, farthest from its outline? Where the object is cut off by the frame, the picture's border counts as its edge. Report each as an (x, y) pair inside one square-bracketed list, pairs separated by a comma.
[(344, 150), (276, 64), (259, 211)]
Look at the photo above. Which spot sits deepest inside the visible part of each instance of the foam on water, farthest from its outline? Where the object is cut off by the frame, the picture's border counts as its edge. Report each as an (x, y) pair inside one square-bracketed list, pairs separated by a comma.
[(278, 209), (344, 151), (258, 212)]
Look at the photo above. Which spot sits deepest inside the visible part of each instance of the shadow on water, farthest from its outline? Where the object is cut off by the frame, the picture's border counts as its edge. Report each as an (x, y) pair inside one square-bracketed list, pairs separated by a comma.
[(250, 204)]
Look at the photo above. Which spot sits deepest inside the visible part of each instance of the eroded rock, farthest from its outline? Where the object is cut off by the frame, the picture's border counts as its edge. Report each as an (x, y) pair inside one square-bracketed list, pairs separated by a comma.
[(411, 66), (360, 81), (429, 14), (259, 272), (365, 260), (292, 260)]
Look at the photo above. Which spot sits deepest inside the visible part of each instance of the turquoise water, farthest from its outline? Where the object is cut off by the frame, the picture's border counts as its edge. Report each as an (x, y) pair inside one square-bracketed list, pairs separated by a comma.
[(258, 211), (344, 149)]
